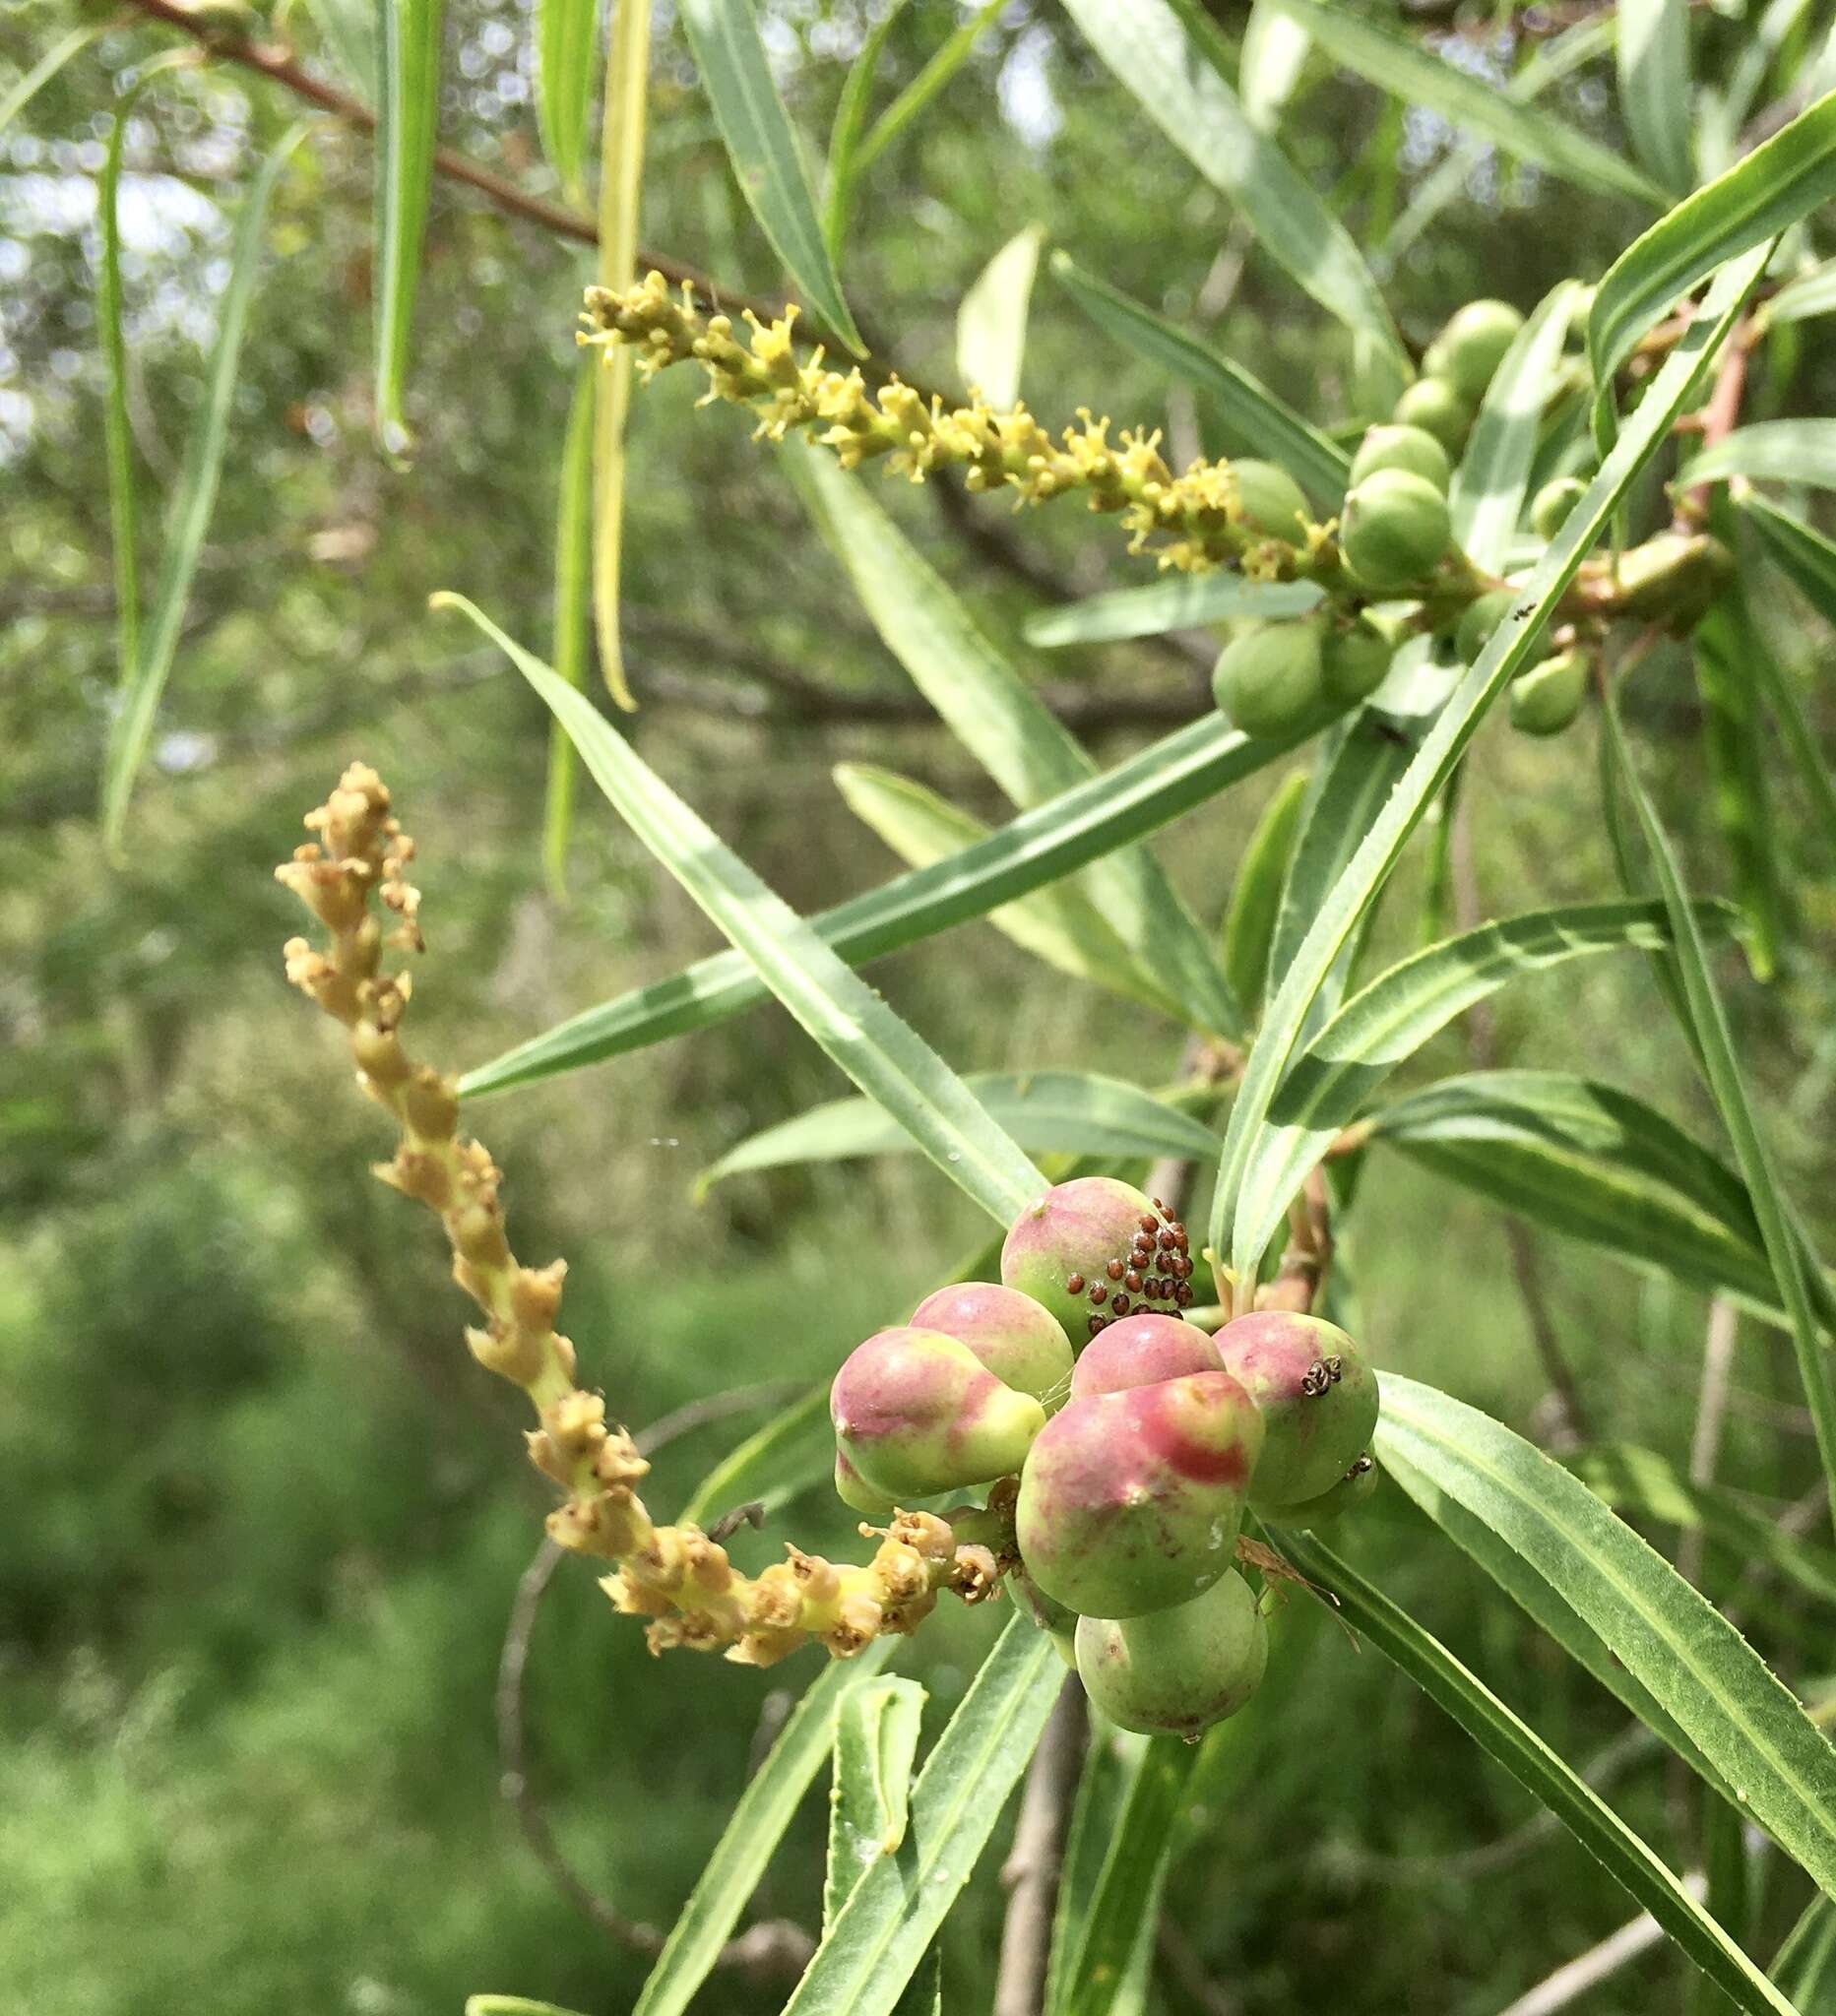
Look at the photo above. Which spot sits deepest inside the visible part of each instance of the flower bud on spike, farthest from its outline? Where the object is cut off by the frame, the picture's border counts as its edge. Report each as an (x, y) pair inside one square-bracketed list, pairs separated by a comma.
[(1268, 679), (1396, 446), (1180, 1669), (1394, 528), (1547, 697), (1132, 1501), (1074, 1249), (1269, 500), (1021, 1343), (1316, 1393), (916, 1412), (1472, 346), (1439, 408), (1142, 1350), (1352, 1488)]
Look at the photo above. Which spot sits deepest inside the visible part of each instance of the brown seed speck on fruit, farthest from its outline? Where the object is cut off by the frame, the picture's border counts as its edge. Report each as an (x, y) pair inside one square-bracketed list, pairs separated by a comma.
[(1114, 1270), (1120, 1305), (1098, 1292), (1147, 1225), (1074, 1285), (1158, 1204), (1132, 1281), (1183, 1295), (1164, 1243)]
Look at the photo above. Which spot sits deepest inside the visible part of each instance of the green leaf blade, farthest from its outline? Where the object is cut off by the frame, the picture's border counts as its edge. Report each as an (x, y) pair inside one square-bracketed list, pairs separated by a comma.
[(1653, 88), (566, 34), (991, 321), (407, 117)]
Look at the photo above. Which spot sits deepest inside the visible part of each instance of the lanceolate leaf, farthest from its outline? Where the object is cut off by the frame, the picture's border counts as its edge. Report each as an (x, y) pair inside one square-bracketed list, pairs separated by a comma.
[(1810, 562), (189, 514), (765, 1809), (1806, 1966), (1172, 60), (1007, 727), (880, 1935), (949, 58), (1167, 604), (991, 323), (1778, 451), (1654, 87), (1334, 1078), (1692, 1659), (851, 122), (1508, 652), (1510, 1741), (573, 606), (407, 117), (566, 56), (737, 76), (1420, 78), (347, 28), (876, 1735), (1252, 415), (1275, 52), (1811, 293), (1112, 1760), (47, 66), (1256, 894), (1068, 1112), (1804, 556), (842, 1015), (1147, 791), (791, 1453)]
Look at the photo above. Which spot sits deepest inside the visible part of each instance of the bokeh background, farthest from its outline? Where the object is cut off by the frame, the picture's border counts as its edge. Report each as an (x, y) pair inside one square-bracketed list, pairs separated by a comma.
[(261, 1521)]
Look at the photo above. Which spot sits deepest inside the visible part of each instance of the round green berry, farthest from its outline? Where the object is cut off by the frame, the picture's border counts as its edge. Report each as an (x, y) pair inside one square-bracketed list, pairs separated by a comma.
[(1353, 661), (1473, 345), (1479, 619), (1437, 407), (1180, 1669), (1393, 530), (1550, 695), (1401, 447), (1268, 679), (1552, 504)]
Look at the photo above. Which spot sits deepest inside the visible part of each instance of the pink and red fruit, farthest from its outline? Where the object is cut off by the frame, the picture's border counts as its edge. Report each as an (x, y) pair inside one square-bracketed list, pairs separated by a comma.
[(1143, 1350), (1180, 1669), (1095, 1249), (1316, 1395), (856, 1494), (1021, 1344)]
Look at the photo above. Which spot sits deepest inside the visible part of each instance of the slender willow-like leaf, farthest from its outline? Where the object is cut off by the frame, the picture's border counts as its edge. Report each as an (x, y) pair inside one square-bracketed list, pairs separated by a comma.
[(837, 1009), (1168, 605), (1420, 78), (1811, 293), (1249, 412), (408, 118), (1653, 88), (1113, 1762), (513, 2005), (1804, 1967), (621, 182), (1511, 1742), (791, 1453), (1810, 562), (1275, 52), (1007, 727), (955, 50), (881, 1934), (1804, 556), (1256, 894), (991, 323), (1071, 1111), (1714, 1042), (189, 514), (573, 615), (47, 66), (1174, 62), (348, 31), (1725, 109), (850, 123), (1694, 1663), (1488, 496), (1508, 652), (565, 50), (1786, 178), (765, 1809), (1331, 1080), (1778, 451), (1140, 795), (736, 74)]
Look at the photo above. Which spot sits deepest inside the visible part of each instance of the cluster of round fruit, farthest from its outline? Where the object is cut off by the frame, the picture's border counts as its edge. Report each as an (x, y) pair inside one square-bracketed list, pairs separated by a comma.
[(1395, 530), (1136, 1459)]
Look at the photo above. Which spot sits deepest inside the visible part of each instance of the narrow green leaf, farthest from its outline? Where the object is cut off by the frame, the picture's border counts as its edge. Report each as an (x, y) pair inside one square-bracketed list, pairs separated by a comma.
[(1112, 1760), (1007, 727), (1488, 487), (1173, 603), (1696, 1665), (621, 184), (880, 1935), (1804, 556), (1805, 1964), (1511, 1742), (1786, 178), (792, 1453), (1140, 795), (991, 323), (950, 56), (1810, 294), (1173, 61), (850, 123), (566, 53), (1249, 412), (764, 1810), (1331, 1080), (1417, 77), (408, 118), (1075, 1112), (1256, 894), (189, 514), (1061, 925), (513, 2005), (1714, 1042), (1810, 562), (347, 28), (1653, 88), (1508, 652), (737, 76), (573, 606), (1724, 110), (1775, 451), (842, 1015), (29, 86), (1275, 52), (876, 1735)]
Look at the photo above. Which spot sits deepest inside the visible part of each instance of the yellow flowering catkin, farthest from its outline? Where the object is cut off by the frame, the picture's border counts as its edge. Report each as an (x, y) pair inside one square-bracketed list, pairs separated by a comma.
[(1194, 522), (673, 1575)]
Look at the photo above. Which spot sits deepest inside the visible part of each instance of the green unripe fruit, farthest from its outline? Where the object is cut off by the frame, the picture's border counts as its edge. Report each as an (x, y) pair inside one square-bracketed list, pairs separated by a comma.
[(856, 1494), (1357, 1483), (1268, 679), (1142, 1350), (1413, 449), (1269, 500), (1316, 1393), (1439, 408), (1482, 618), (1550, 695), (1553, 503), (1473, 345), (1023, 1345), (1353, 661), (1180, 1671), (917, 1412), (1393, 530), (1058, 1624), (1131, 1502), (1074, 1249)]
